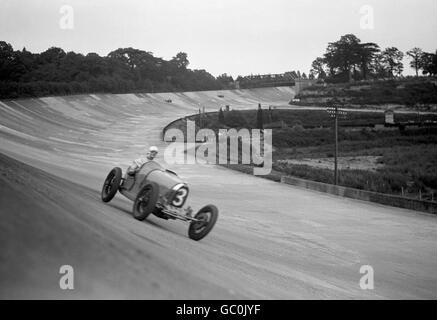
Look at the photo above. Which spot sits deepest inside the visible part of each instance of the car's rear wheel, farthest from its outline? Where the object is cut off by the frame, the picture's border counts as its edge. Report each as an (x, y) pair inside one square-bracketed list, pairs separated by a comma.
[(207, 217), (145, 201), (111, 184)]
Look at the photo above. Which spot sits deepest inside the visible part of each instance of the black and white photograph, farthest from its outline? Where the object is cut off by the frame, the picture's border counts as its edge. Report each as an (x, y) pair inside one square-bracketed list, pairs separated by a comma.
[(226, 150)]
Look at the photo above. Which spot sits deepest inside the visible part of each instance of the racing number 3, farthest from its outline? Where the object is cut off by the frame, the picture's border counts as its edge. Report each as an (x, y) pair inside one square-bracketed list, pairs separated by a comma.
[(180, 196)]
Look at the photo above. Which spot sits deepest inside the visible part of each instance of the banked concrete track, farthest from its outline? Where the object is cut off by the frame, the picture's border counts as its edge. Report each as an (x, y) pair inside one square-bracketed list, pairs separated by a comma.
[(271, 241)]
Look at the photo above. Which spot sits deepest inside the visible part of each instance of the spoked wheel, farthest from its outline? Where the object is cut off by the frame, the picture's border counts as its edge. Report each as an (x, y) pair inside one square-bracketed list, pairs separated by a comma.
[(207, 217), (145, 201), (111, 184)]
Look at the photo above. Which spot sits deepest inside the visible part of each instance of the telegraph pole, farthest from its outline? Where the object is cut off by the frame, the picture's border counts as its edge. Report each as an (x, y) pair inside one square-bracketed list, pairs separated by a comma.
[(336, 146), (335, 113)]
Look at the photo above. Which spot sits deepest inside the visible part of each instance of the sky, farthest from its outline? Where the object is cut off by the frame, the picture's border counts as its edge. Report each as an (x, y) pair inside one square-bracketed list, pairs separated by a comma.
[(237, 37)]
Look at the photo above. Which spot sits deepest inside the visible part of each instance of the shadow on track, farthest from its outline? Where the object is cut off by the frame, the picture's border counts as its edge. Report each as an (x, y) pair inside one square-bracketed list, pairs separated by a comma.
[(119, 207)]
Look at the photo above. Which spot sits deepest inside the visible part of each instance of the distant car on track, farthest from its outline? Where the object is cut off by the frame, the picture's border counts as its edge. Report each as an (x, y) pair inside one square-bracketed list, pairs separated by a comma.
[(159, 191)]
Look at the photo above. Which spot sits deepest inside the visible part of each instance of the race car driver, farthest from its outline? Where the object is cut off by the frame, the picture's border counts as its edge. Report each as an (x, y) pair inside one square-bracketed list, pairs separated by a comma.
[(138, 163)]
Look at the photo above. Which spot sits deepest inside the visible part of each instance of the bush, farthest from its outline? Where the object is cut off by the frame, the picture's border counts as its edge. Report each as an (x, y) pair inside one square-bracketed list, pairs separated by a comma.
[(235, 119)]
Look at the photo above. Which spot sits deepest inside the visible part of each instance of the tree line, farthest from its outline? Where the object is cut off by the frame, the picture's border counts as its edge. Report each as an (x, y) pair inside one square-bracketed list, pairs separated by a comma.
[(350, 59), (56, 72)]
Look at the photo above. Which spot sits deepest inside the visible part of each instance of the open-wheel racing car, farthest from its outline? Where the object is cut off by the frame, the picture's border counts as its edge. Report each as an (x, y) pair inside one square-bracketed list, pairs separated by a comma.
[(159, 191)]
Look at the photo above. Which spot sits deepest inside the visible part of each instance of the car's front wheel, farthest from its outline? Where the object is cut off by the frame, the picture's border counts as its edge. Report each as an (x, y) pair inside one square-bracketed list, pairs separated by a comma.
[(111, 184), (207, 217), (145, 201)]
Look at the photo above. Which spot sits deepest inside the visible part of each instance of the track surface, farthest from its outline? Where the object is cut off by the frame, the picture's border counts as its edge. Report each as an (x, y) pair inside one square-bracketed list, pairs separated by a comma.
[(271, 241)]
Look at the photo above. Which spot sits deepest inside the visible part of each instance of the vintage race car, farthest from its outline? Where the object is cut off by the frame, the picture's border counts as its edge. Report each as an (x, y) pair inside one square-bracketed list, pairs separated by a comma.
[(159, 191)]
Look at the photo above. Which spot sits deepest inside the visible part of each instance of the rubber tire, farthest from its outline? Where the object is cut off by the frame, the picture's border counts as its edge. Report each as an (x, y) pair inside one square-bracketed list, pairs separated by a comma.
[(193, 234), (115, 175), (151, 204)]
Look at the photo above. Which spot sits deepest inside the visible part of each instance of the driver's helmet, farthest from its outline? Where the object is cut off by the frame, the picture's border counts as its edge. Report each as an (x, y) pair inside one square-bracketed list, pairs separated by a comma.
[(153, 151)]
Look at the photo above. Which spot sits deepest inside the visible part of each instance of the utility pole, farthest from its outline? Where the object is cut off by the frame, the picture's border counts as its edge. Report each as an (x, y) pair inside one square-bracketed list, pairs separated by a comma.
[(336, 147), (335, 113)]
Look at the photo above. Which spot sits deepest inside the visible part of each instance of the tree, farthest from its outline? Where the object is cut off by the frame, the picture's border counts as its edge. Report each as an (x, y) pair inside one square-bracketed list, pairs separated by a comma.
[(52, 55), (378, 68), (225, 80), (94, 64), (433, 69), (318, 68), (428, 63), (392, 58), (136, 65), (259, 118), (54, 72), (367, 53), (6, 60), (25, 64), (221, 116), (343, 56), (180, 60), (416, 55), (6, 50)]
